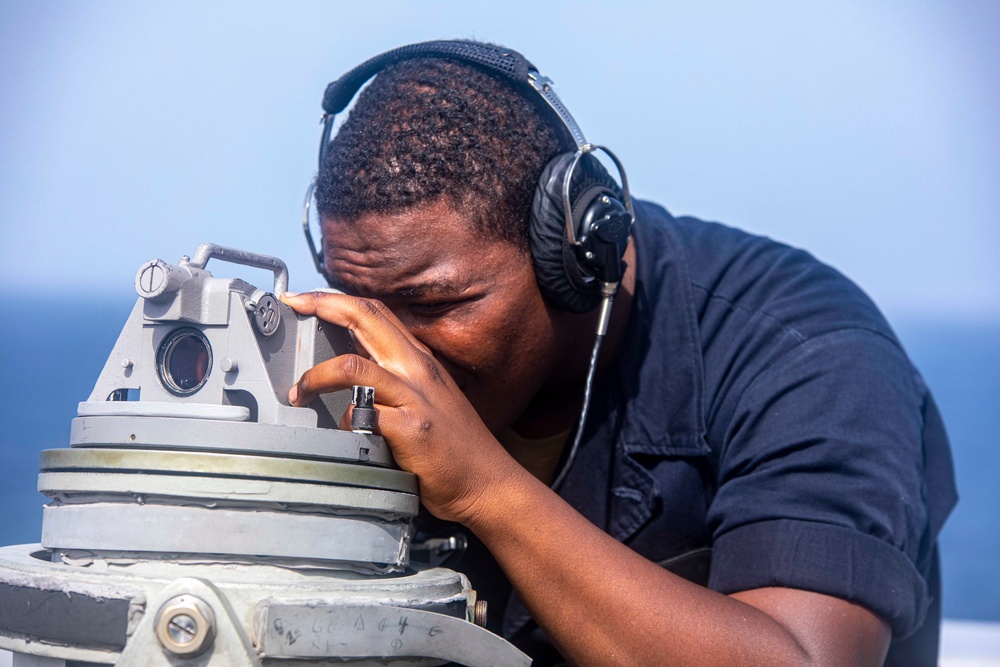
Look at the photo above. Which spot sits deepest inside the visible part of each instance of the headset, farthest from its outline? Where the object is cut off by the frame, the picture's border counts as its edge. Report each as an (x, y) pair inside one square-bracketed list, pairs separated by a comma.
[(580, 220)]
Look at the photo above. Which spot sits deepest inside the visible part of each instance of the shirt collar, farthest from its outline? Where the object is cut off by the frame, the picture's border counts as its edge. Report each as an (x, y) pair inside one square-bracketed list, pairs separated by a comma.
[(654, 406), (660, 363)]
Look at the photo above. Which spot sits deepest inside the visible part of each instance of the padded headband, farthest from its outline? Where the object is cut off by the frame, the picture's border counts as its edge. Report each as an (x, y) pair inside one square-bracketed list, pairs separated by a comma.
[(503, 62)]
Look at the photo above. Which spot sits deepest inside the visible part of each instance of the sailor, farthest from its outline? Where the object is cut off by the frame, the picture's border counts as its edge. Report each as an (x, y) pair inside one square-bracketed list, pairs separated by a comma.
[(762, 474)]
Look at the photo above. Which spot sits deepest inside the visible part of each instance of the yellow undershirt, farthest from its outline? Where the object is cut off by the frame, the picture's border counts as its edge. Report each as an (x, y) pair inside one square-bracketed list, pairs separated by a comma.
[(539, 456)]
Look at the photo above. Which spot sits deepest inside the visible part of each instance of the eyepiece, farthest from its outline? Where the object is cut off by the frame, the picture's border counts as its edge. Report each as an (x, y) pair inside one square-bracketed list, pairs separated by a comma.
[(184, 361)]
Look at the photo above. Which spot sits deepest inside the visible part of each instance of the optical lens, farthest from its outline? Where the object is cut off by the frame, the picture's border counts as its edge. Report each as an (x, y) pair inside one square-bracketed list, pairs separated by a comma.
[(185, 361)]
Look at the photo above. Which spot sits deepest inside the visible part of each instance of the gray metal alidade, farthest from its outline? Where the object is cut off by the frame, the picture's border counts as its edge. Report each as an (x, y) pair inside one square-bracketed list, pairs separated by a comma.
[(198, 519)]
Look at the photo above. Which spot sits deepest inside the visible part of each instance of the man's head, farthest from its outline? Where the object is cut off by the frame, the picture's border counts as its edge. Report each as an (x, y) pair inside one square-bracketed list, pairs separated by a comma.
[(435, 129), (425, 195)]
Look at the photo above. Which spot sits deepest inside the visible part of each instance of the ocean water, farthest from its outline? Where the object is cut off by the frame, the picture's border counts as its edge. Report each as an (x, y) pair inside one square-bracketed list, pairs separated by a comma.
[(52, 348), (961, 364)]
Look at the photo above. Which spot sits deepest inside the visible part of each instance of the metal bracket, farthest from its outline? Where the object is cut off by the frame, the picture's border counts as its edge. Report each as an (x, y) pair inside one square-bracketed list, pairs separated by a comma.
[(543, 86), (311, 630), (207, 251), (230, 647)]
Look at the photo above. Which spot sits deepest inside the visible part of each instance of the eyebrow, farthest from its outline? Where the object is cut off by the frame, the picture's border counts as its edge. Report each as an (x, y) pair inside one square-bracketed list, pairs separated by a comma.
[(429, 289)]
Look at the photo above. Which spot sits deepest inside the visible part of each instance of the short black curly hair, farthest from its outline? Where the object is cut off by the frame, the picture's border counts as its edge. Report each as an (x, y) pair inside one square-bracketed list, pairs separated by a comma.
[(434, 128)]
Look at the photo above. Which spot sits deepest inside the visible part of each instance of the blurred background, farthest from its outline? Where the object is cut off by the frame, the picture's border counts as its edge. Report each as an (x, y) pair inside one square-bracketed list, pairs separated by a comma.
[(866, 132)]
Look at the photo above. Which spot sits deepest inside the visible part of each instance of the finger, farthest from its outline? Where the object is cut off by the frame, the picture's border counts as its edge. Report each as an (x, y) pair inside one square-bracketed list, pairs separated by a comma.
[(380, 332), (398, 323), (376, 328), (343, 372), (370, 320)]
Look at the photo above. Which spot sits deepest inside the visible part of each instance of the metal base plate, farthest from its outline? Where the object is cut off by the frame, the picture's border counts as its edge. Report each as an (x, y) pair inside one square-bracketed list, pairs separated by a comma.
[(232, 465), (218, 504), (227, 436), (67, 624)]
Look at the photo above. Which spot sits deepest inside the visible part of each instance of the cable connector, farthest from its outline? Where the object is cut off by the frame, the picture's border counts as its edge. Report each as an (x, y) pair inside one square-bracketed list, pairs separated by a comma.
[(363, 414)]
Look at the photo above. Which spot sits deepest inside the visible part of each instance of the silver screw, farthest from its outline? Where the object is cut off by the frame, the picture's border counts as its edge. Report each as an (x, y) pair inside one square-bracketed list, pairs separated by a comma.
[(185, 625), (126, 363), (182, 629), (266, 316), (229, 364)]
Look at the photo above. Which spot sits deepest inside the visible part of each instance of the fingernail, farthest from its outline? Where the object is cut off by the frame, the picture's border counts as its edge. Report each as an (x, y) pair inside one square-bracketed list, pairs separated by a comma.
[(290, 294), (293, 394)]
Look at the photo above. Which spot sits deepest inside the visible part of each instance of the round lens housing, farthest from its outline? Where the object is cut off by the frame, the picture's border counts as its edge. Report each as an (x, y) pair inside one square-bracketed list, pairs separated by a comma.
[(184, 361)]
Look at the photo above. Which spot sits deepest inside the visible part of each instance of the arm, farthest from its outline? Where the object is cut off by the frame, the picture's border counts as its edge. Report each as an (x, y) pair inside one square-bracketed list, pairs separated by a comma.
[(557, 560), (601, 603)]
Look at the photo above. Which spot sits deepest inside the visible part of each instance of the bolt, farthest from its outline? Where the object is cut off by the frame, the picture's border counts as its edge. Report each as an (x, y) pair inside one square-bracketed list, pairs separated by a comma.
[(126, 363), (229, 364), (266, 317), (479, 614), (185, 625)]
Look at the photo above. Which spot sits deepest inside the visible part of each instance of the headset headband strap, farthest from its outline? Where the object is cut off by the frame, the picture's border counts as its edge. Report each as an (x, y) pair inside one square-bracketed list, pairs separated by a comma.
[(543, 85), (503, 62)]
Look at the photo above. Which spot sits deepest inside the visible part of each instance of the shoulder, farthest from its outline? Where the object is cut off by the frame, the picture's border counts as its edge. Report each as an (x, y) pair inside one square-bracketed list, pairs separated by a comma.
[(730, 270), (755, 304), (818, 425)]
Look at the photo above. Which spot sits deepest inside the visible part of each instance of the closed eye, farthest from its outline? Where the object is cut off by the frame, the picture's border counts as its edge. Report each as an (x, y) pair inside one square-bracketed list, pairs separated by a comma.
[(433, 309)]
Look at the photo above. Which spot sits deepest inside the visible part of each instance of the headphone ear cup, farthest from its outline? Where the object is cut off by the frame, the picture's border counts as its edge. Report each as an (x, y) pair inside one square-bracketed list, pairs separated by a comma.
[(562, 277)]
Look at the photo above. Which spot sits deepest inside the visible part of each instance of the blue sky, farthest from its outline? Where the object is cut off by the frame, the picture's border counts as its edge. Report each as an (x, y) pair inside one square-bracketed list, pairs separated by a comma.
[(866, 132)]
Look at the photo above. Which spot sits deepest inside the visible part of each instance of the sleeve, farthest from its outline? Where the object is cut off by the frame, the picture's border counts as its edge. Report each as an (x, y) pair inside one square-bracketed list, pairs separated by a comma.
[(821, 480)]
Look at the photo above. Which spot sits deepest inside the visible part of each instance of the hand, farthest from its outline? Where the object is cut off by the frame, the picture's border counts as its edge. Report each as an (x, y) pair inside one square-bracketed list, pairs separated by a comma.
[(433, 430)]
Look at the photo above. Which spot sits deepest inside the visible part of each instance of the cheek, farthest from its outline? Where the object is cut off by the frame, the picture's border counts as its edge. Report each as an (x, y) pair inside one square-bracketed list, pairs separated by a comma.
[(491, 346), (470, 348), (518, 349)]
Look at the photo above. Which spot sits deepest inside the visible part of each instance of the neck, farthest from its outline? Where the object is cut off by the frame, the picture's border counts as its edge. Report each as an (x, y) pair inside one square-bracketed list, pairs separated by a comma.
[(556, 407)]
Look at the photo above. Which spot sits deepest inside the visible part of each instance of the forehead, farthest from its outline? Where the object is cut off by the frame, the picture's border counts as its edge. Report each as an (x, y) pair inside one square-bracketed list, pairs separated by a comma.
[(403, 253)]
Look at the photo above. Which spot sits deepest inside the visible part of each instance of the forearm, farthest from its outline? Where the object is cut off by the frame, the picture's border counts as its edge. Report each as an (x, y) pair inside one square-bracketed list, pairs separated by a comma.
[(603, 604)]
